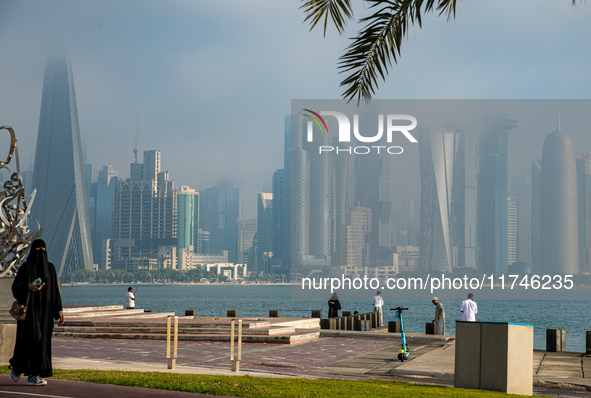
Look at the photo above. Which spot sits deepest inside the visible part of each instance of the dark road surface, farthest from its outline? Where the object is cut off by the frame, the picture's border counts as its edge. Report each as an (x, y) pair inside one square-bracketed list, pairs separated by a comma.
[(76, 389)]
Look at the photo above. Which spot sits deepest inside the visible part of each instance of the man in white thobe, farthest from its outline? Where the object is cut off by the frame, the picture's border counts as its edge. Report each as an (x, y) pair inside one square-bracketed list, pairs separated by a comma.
[(378, 302), (469, 309)]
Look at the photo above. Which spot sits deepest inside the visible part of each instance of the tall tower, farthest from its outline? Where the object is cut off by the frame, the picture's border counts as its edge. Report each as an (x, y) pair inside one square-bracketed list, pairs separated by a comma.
[(61, 205), (558, 206), (438, 153), (492, 195)]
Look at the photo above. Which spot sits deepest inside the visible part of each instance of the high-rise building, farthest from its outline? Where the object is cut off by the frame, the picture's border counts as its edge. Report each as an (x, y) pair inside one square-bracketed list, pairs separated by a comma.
[(512, 226), (144, 218), (355, 238), (246, 229), (583, 162), (104, 197), (536, 170), (439, 152), (264, 230), (187, 230), (311, 202), (282, 201), (204, 247), (523, 190), (219, 210), (492, 196), (61, 205), (559, 252), (372, 190)]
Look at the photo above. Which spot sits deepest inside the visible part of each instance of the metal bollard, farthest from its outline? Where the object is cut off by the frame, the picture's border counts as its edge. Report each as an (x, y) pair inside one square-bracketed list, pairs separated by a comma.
[(172, 361), (236, 363)]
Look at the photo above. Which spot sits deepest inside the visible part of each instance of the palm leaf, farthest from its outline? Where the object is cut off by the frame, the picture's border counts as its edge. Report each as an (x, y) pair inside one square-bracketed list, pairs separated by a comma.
[(371, 53), (340, 12)]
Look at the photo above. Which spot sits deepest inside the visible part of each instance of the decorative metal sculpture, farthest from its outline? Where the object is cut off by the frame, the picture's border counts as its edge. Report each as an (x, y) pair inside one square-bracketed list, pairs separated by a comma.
[(16, 234)]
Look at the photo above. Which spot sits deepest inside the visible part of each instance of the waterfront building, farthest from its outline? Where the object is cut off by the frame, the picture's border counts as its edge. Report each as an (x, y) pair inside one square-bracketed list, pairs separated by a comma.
[(408, 258), (536, 169), (264, 229), (559, 252), (144, 215), (583, 162), (440, 167), (492, 195), (356, 237), (524, 222), (204, 246), (188, 259), (103, 194), (282, 202), (512, 226), (219, 209), (61, 204), (187, 203), (246, 229)]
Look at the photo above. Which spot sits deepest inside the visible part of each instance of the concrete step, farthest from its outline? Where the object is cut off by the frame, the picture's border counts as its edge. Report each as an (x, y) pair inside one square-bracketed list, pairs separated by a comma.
[(162, 330), (71, 310), (106, 313), (116, 321), (290, 339)]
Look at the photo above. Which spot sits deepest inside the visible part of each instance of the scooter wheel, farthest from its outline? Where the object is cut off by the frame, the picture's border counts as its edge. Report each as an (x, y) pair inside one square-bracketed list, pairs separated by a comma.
[(401, 357)]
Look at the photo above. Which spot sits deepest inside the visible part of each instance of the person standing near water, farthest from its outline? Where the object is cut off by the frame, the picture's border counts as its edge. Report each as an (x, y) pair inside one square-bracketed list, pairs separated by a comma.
[(439, 320), (334, 306), (36, 287), (130, 299), (378, 302), (469, 309)]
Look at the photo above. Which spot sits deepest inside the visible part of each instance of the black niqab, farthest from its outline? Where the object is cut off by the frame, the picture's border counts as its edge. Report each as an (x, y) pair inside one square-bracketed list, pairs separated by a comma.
[(38, 257)]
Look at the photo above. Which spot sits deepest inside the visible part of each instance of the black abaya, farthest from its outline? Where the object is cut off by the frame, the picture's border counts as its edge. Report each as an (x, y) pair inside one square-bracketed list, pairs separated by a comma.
[(32, 352), (334, 306)]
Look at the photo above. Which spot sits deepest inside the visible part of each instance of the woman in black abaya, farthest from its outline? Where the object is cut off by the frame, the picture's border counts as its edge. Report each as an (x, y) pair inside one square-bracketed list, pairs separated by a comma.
[(334, 306), (32, 352)]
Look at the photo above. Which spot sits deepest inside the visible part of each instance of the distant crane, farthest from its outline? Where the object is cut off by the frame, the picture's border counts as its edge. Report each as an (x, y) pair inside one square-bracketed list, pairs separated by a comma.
[(137, 123)]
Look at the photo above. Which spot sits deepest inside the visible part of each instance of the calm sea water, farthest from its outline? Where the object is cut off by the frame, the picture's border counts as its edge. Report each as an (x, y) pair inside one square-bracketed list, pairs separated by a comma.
[(257, 300)]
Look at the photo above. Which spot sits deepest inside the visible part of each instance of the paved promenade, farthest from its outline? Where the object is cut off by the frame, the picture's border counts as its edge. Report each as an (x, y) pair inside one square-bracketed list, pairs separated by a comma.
[(347, 355)]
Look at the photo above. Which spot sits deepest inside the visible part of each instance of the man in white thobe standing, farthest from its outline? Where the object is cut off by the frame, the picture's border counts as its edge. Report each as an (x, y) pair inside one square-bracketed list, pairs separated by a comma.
[(469, 309)]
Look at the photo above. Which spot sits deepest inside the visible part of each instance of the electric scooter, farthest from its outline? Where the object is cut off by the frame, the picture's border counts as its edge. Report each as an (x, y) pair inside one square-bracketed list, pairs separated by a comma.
[(403, 354)]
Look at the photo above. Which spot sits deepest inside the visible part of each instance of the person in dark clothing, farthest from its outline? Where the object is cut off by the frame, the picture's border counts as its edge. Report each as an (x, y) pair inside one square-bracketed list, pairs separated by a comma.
[(32, 352), (334, 306)]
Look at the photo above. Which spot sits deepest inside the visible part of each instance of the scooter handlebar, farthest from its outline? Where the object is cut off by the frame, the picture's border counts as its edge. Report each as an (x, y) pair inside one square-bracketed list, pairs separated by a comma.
[(398, 309)]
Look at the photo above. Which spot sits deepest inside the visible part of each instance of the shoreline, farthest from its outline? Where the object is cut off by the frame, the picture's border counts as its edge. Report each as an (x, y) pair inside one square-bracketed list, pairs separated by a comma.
[(174, 284)]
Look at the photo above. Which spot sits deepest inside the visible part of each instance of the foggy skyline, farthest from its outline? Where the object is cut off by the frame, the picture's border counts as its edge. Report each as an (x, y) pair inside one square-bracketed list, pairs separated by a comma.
[(213, 81)]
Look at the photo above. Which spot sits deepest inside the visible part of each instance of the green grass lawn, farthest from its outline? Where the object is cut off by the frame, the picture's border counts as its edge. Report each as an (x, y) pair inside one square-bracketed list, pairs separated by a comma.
[(260, 387)]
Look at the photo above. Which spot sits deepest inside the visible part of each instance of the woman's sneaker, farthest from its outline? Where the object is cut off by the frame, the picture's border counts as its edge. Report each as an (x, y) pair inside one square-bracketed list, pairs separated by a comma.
[(36, 381), (13, 376)]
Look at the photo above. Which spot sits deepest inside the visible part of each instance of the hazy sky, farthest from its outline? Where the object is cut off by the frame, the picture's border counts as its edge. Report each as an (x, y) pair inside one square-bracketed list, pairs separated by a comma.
[(213, 80)]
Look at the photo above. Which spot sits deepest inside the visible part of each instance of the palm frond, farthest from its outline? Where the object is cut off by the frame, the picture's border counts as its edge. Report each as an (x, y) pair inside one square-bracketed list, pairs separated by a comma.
[(340, 12), (378, 44)]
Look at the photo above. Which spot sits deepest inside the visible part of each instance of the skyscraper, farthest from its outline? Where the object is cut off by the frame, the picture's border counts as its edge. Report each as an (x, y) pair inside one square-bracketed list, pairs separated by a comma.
[(104, 196), (558, 206), (61, 205), (264, 229), (246, 231), (536, 169), (583, 161), (522, 188), (492, 195), (187, 204), (219, 208), (512, 226), (438, 153), (355, 237)]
